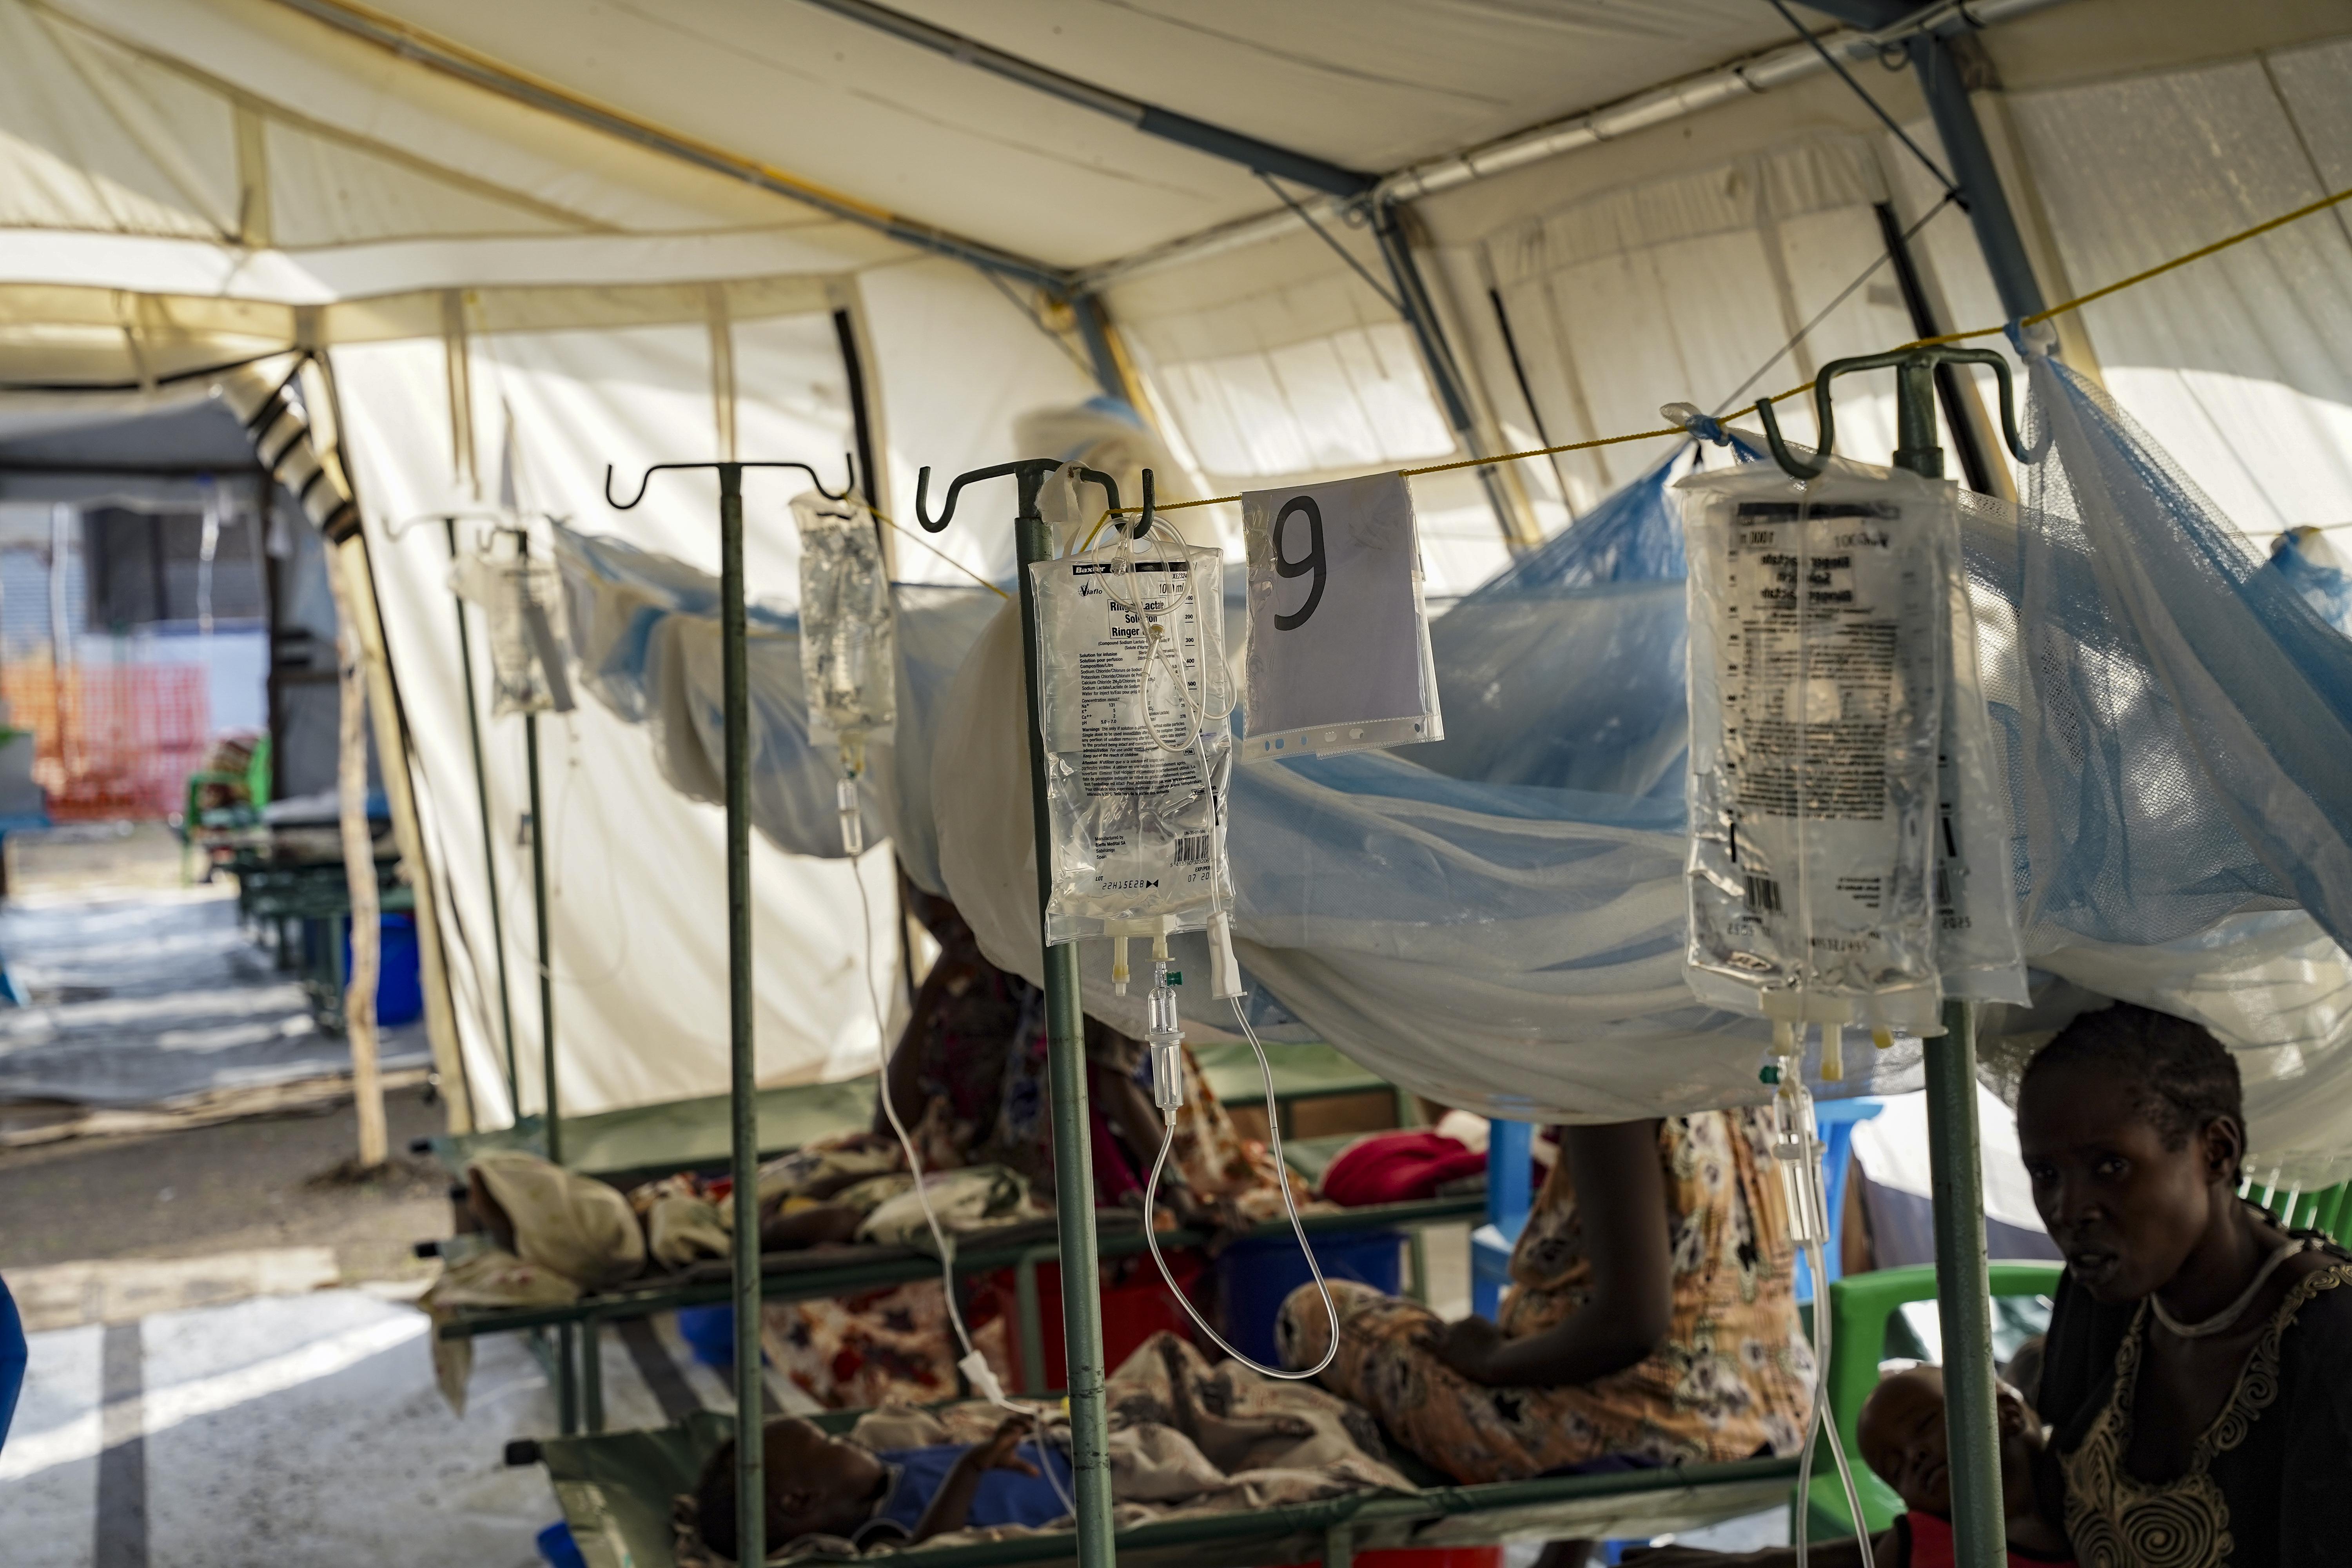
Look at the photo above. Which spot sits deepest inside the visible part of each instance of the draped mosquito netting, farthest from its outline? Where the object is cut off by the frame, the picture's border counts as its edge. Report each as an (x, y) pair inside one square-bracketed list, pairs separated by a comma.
[(1497, 920)]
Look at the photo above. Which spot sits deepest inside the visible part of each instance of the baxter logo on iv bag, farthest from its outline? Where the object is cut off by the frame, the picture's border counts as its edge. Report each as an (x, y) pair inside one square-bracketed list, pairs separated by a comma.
[(1339, 634)]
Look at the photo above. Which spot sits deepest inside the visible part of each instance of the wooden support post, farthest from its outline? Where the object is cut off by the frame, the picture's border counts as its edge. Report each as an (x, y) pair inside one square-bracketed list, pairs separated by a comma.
[(358, 874)]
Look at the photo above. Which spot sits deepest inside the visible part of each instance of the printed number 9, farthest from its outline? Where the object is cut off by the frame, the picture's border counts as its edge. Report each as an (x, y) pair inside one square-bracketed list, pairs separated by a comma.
[(1311, 563)]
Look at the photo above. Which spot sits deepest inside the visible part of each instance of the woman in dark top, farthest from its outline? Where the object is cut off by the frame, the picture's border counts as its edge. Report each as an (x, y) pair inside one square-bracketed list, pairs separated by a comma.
[(2199, 1367)]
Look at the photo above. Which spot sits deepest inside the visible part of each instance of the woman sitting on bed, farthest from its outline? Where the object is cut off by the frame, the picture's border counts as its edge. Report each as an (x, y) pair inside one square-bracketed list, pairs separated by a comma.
[(1651, 1321)]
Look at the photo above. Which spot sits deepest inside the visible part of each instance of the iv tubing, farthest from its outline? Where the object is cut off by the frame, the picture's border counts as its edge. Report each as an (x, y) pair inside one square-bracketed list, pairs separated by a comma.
[(1822, 1419), (1282, 1173), (993, 1393), (1196, 743)]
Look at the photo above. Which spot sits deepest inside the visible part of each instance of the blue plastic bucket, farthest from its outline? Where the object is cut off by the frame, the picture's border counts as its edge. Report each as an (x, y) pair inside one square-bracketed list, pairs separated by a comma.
[(709, 1332), (558, 1549), (399, 982), (1256, 1275)]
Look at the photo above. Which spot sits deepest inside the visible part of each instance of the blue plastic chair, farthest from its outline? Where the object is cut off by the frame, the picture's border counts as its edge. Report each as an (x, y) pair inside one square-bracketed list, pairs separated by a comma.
[(1510, 1193)]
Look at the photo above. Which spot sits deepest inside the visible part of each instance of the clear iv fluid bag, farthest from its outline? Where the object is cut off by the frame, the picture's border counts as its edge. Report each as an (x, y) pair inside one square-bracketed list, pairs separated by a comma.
[(1818, 617), (848, 659), (522, 607), (1137, 747)]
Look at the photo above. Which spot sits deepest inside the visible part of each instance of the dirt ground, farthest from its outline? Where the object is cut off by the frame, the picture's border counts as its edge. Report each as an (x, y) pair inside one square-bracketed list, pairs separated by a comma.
[(237, 1187)]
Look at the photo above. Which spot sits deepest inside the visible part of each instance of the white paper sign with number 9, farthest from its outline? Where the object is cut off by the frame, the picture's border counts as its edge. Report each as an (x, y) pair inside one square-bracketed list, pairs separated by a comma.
[(1338, 635)]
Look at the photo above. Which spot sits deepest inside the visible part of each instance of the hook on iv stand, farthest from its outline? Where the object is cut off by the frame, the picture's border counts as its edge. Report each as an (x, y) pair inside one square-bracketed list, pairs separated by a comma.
[(1915, 409), (1029, 471), (848, 487)]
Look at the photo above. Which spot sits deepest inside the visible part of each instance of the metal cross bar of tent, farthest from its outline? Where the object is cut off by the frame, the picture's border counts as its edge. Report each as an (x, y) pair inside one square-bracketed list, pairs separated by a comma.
[(1954, 1163), (1064, 1024), (735, 709)]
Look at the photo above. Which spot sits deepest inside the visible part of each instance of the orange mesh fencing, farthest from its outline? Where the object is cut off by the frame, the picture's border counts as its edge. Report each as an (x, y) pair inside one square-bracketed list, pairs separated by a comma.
[(112, 742)]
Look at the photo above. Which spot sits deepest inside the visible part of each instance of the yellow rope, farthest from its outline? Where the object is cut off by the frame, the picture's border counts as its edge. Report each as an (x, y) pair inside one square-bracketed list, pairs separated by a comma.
[(2322, 205), (942, 554)]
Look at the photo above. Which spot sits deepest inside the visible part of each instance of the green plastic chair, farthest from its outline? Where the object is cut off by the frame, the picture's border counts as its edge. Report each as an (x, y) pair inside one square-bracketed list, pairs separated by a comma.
[(2327, 1211), (1860, 1306), (255, 779)]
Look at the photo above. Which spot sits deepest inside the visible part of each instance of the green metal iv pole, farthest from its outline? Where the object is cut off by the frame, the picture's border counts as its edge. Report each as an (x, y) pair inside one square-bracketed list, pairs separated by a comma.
[(1074, 1180), (735, 703), (489, 833), (1955, 1172)]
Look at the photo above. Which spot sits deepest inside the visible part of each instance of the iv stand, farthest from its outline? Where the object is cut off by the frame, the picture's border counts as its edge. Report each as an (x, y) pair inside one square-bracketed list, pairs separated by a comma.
[(1074, 1180), (1963, 1289), (489, 846), (750, 1512)]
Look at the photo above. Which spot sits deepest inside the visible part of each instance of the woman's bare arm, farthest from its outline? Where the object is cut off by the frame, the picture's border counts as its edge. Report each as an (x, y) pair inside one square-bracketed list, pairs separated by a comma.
[(1621, 1204)]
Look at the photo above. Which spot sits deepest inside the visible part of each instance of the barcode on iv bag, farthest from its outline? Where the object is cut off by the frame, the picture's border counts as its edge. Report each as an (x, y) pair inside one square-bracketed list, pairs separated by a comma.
[(1194, 849), (1763, 895)]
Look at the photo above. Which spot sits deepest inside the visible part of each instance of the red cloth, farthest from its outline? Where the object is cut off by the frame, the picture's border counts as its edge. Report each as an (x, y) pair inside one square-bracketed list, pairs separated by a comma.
[(1931, 1545), (1397, 1167)]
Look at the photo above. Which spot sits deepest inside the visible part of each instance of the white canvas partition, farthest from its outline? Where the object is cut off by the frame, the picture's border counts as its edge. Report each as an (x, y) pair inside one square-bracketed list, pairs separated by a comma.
[(1684, 288), (1279, 364), (2239, 365), (636, 872), (956, 362)]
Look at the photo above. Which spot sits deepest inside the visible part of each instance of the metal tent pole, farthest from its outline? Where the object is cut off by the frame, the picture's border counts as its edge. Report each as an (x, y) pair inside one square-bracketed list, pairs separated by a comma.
[(1074, 1180), (489, 835)]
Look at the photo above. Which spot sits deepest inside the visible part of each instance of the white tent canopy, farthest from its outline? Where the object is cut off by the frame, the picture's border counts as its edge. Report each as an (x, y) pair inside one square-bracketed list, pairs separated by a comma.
[(535, 238)]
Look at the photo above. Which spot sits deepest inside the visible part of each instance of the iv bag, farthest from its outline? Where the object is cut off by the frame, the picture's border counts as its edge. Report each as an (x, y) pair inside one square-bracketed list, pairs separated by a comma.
[(1138, 747), (848, 657), (524, 606), (1818, 628)]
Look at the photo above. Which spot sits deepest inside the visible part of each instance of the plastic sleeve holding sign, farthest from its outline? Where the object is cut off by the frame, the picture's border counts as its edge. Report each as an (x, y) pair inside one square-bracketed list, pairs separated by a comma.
[(1339, 633), (1977, 944), (1136, 758), (848, 647), (1817, 633)]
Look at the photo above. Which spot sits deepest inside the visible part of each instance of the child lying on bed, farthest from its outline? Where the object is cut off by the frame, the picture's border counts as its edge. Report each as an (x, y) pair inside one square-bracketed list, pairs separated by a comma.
[(1186, 1438), (1902, 1437), (818, 1485)]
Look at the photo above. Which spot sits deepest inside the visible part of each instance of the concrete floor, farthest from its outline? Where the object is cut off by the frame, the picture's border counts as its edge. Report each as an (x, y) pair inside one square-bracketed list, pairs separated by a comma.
[(297, 1431)]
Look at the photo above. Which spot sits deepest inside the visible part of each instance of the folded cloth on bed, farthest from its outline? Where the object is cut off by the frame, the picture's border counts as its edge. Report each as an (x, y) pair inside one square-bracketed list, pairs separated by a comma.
[(681, 1224), (577, 1226), (1398, 1167), (977, 1197), (483, 1277), (822, 1169)]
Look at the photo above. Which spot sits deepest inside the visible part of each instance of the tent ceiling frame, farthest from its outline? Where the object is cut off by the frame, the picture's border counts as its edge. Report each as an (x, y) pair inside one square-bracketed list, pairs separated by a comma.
[(1261, 157), (1336, 186), (452, 58), (1661, 105)]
